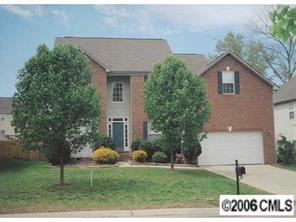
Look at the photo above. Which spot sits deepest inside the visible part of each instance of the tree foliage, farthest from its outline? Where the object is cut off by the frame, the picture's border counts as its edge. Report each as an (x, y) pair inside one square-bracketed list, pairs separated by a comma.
[(268, 55), (55, 109), (174, 99), (283, 22), (250, 51), (279, 53)]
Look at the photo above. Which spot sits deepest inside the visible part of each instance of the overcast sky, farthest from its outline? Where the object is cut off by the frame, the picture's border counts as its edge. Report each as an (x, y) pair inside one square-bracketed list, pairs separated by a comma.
[(190, 28)]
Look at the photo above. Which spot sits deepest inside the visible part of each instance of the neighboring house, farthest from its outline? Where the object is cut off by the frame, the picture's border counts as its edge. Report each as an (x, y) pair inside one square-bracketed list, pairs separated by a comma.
[(241, 125), (6, 130), (285, 110)]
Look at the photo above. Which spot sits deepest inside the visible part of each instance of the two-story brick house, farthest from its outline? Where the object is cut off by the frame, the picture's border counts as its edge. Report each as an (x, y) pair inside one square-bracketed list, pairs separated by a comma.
[(241, 124)]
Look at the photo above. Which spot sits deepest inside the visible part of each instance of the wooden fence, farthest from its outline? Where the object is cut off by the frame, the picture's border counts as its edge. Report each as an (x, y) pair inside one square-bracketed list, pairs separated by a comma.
[(12, 149)]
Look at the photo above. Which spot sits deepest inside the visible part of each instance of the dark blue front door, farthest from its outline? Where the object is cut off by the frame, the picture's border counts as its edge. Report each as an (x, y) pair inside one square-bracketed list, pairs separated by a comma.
[(118, 135)]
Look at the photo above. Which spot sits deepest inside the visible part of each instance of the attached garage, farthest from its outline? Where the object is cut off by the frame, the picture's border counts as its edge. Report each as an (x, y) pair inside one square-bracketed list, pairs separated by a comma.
[(223, 148)]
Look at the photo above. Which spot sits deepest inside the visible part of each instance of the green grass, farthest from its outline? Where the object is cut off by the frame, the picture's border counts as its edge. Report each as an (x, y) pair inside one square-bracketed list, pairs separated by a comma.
[(27, 186), (287, 167)]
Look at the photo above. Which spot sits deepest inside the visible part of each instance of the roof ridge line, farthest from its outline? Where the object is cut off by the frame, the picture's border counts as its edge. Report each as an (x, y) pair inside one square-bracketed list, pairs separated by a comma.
[(127, 38)]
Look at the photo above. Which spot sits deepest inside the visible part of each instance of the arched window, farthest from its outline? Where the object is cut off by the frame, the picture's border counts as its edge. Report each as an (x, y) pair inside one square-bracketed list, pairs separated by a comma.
[(117, 92)]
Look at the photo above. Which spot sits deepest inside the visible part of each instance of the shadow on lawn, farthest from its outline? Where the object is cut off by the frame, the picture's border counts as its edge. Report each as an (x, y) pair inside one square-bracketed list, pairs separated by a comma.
[(11, 165)]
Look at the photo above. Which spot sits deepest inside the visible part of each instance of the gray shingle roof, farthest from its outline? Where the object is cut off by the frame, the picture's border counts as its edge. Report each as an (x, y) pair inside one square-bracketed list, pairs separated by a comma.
[(5, 105), (194, 62), (122, 54), (286, 93)]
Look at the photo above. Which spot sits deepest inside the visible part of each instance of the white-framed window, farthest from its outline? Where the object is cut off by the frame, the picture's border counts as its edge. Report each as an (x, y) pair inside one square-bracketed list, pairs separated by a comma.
[(228, 86), (2, 132), (117, 92), (152, 134), (292, 108)]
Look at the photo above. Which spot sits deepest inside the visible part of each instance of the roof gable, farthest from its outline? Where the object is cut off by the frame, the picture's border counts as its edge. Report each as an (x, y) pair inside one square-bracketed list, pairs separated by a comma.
[(219, 58)]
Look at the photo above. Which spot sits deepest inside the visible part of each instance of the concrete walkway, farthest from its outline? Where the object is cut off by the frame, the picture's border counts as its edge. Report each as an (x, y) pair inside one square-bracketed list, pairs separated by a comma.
[(169, 212), (265, 177)]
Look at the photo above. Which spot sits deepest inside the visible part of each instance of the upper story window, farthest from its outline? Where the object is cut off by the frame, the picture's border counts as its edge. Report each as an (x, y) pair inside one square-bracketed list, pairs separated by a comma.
[(117, 92), (228, 84)]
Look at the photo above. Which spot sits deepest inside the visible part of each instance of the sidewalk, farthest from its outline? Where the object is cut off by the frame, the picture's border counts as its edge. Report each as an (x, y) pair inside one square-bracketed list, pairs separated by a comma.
[(168, 212)]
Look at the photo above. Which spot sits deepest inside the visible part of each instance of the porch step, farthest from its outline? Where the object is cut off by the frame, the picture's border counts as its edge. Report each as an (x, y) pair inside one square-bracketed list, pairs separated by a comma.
[(124, 156)]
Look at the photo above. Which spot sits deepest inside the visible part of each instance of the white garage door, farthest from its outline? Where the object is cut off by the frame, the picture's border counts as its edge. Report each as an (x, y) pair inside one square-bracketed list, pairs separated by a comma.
[(223, 148)]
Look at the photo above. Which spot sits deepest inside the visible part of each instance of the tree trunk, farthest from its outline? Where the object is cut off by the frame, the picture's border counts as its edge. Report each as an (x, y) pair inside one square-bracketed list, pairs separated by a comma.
[(172, 160), (61, 168)]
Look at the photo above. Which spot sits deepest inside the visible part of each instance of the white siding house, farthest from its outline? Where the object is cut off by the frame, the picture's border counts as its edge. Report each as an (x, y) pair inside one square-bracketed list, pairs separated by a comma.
[(285, 110)]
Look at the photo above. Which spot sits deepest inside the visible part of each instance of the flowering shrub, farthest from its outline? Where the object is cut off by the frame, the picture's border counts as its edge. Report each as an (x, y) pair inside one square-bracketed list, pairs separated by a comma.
[(179, 158), (105, 155), (139, 155)]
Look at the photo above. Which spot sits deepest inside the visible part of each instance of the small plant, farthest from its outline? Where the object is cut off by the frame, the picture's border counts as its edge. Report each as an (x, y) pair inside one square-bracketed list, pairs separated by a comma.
[(105, 155), (139, 155), (145, 145), (159, 157), (179, 158), (136, 144), (286, 151)]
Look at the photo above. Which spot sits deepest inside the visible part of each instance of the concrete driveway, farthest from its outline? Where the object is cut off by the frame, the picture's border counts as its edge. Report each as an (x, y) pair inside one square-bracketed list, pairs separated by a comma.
[(265, 177)]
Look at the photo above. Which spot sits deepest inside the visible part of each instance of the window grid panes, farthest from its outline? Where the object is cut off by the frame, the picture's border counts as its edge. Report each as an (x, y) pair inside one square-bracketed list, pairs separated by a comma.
[(291, 115), (117, 95), (126, 135), (228, 88)]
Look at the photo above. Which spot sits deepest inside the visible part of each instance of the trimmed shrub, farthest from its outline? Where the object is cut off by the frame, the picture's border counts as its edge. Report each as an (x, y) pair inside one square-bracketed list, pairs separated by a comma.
[(286, 151), (148, 147), (105, 155), (139, 155), (159, 157), (136, 144), (145, 145)]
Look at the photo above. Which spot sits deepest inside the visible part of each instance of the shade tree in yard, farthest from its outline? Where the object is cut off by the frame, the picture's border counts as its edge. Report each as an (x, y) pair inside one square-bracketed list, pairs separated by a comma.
[(176, 102), (55, 109)]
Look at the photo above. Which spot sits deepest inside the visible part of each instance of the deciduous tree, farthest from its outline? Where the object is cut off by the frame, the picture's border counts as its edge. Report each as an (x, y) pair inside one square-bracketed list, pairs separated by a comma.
[(174, 100), (55, 109)]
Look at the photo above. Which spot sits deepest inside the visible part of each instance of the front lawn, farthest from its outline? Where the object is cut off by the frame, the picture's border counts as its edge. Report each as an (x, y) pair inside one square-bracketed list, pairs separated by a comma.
[(29, 187)]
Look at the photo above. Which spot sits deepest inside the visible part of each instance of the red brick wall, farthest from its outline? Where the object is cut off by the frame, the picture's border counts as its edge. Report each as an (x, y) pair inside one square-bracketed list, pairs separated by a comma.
[(99, 80), (251, 110), (137, 107)]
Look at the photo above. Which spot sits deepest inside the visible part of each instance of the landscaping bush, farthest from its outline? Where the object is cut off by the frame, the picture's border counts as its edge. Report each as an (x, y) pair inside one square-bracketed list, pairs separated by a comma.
[(148, 147), (286, 151), (105, 142), (179, 158), (136, 144), (191, 148), (54, 158), (139, 155), (105, 155), (145, 145), (159, 157)]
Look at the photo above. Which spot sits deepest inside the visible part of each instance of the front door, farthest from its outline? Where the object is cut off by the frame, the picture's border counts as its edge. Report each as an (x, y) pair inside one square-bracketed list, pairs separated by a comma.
[(118, 135)]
